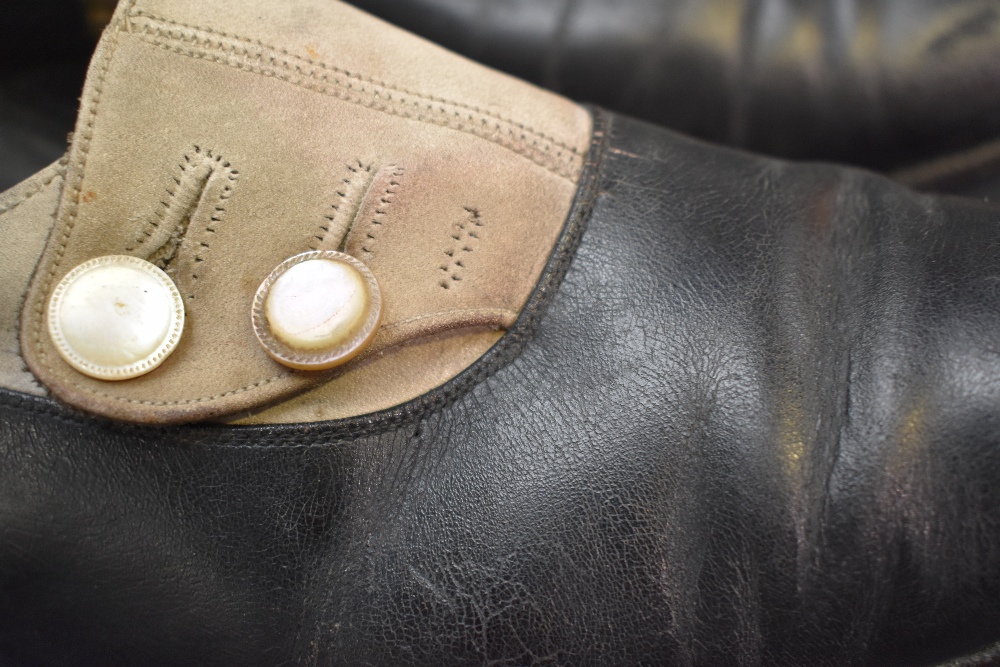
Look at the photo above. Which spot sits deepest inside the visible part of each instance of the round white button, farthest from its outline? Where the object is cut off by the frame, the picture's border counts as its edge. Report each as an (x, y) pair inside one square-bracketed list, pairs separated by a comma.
[(317, 310), (317, 304), (115, 317)]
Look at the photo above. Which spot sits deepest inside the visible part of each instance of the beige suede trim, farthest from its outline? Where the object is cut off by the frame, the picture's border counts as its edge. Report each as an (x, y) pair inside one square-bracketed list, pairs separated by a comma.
[(217, 140), (27, 214), (384, 380)]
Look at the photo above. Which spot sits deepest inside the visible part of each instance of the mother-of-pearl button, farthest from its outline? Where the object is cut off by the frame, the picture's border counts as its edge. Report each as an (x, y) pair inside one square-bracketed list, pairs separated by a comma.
[(115, 317), (317, 310)]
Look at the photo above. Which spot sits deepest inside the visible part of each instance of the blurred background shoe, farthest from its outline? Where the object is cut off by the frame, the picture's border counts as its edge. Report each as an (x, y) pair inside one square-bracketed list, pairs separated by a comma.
[(902, 86), (910, 87), (44, 49), (877, 83)]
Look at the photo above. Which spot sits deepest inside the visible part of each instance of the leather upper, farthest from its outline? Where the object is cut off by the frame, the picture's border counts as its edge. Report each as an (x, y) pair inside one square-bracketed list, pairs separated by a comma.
[(881, 83), (756, 423)]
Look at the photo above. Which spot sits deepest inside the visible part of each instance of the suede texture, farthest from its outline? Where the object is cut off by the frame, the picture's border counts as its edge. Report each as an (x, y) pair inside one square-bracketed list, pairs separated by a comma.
[(27, 214), (383, 380), (219, 139)]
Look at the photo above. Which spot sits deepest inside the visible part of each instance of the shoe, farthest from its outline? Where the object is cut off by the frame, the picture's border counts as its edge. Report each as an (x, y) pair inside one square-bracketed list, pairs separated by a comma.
[(678, 404), (882, 84)]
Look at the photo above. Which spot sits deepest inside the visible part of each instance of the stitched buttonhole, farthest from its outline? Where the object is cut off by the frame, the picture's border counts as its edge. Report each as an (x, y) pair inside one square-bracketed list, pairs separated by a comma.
[(465, 238), (349, 193), (375, 210), (178, 237), (201, 185)]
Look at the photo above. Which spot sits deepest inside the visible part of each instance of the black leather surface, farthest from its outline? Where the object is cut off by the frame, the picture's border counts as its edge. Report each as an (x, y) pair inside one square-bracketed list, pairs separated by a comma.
[(880, 83), (757, 424)]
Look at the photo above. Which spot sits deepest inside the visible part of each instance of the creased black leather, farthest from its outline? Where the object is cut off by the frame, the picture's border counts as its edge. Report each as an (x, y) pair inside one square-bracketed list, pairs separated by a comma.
[(881, 83), (758, 423)]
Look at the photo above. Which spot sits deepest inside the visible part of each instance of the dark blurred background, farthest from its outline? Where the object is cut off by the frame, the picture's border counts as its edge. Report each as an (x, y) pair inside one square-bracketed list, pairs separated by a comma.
[(44, 49)]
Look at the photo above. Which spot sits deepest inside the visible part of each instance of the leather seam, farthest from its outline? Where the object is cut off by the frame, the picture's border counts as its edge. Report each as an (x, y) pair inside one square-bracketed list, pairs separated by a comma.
[(502, 312), (217, 216), (341, 213), (168, 205), (394, 175), (185, 401), (300, 72)]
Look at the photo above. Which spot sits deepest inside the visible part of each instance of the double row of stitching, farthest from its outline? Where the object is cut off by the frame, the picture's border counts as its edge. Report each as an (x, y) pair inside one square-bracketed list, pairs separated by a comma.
[(139, 13), (186, 401), (255, 56)]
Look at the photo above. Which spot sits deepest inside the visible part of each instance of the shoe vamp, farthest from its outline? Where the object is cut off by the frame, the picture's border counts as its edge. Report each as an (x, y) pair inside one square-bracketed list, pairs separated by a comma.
[(756, 424)]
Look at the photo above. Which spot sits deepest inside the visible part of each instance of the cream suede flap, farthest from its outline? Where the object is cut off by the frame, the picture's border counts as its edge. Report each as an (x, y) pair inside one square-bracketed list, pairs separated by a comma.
[(27, 213), (218, 139)]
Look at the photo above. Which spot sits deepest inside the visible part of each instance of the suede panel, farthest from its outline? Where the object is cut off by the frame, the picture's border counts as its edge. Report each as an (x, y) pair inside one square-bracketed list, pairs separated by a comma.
[(383, 380), (234, 125), (27, 213)]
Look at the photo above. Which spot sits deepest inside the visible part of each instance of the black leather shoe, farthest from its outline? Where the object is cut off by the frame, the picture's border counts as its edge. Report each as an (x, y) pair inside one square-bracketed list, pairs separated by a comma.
[(878, 83), (749, 415)]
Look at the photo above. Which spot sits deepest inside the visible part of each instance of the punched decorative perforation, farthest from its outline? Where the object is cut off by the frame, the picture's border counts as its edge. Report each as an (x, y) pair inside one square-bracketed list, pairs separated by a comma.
[(465, 238), (350, 193), (391, 176)]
